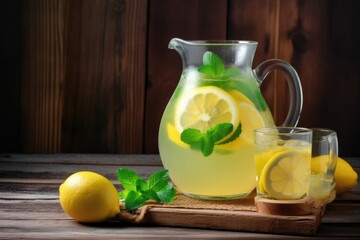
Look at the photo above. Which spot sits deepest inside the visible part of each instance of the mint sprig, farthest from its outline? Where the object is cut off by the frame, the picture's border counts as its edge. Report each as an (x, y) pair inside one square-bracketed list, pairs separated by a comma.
[(137, 191), (214, 67), (206, 141)]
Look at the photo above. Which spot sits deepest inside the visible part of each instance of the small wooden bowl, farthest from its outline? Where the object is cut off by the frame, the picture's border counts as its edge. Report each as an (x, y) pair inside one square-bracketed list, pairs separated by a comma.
[(283, 207)]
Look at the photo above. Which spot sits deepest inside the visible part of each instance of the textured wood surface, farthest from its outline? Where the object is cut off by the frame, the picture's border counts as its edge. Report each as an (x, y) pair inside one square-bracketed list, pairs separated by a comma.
[(95, 76), (30, 209), (236, 215)]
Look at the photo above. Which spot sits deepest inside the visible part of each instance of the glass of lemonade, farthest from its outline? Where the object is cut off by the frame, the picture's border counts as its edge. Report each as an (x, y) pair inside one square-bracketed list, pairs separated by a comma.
[(282, 158), (323, 162)]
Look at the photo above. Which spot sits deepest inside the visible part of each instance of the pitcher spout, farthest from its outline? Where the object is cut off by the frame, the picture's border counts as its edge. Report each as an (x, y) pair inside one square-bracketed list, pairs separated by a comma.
[(175, 43)]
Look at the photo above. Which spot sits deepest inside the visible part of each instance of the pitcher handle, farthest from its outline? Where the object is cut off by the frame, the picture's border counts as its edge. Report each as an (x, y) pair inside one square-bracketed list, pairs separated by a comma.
[(293, 81)]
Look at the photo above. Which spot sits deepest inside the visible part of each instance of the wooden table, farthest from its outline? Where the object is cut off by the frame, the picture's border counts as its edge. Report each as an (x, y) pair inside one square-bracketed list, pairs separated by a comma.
[(30, 209)]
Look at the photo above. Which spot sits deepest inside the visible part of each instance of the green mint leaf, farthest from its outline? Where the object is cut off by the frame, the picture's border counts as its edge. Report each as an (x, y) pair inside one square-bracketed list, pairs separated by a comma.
[(127, 178), (158, 180), (233, 136), (137, 191), (207, 145), (207, 70), (141, 185), (134, 200), (212, 66), (168, 194), (151, 194), (232, 73), (191, 136), (213, 60), (206, 142), (219, 131), (123, 194)]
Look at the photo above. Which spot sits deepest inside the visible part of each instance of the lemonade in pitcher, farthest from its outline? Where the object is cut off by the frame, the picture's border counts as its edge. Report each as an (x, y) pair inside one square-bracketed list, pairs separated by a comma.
[(206, 135)]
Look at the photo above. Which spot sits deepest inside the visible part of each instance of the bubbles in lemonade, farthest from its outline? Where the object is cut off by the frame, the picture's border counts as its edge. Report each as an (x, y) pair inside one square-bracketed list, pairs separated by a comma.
[(205, 157)]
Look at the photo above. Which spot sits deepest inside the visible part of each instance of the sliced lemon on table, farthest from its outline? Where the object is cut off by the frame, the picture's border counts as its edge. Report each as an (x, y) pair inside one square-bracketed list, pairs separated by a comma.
[(286, 175), (204, 107)]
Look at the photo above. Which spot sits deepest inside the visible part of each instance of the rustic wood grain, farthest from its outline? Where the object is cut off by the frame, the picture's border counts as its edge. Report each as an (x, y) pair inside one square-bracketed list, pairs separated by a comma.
[(43, 76), (313, 42), (95, 76), (84, 76), (29, 207), (105, 77), (243, 221)]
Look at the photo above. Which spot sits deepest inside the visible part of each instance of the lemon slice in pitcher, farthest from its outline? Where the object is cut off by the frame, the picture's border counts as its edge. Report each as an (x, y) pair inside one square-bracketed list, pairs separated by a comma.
[(204, 107), (250, 117), (286, 176), (174, 135)]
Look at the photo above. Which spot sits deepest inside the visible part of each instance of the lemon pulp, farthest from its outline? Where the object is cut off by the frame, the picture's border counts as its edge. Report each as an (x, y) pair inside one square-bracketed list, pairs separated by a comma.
[(204, 107)]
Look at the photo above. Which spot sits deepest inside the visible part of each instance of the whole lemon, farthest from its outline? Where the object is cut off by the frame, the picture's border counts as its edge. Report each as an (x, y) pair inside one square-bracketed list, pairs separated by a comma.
[(89, 197), (345, 176)]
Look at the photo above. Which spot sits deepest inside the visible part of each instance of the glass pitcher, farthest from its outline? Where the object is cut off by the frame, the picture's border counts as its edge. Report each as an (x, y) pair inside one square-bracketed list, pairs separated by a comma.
[(206, 135)]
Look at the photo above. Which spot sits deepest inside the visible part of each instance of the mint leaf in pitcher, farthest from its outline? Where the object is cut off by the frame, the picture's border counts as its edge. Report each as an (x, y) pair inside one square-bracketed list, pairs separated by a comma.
[(233, 136), (191, 136), (212, 65), (219, 131), (205, 142)]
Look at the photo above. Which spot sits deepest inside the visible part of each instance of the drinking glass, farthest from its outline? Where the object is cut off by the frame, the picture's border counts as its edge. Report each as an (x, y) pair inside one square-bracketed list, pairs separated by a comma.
[(282, 157), (323, 162)]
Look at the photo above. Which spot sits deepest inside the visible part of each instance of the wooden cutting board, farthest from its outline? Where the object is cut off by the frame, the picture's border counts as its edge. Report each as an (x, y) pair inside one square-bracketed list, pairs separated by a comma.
[(237, 215)]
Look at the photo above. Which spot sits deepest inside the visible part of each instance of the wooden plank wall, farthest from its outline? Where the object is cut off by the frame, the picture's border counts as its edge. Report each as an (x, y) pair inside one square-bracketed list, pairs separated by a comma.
[(95, 76)]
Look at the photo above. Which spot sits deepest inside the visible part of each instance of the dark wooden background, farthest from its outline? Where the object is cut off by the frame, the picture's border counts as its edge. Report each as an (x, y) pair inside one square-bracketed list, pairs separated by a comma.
[(94, 76)]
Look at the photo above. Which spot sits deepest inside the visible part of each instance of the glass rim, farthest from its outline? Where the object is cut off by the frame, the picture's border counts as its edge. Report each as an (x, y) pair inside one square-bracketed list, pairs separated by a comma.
[(321, 134), (288, 131), (217, 42), (327, 131), (222, 42)]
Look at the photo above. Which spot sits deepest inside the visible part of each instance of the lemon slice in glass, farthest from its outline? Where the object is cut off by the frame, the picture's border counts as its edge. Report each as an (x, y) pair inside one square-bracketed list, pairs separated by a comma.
[(204, 107), (286, 175)]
